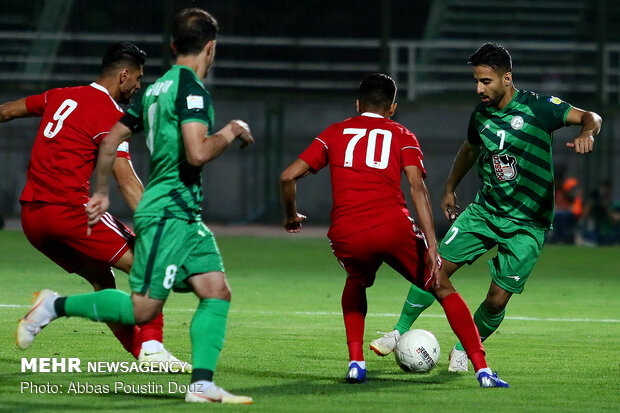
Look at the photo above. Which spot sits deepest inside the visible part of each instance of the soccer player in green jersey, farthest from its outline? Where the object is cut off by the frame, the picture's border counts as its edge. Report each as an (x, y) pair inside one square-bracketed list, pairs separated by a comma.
[(174, 249), (509, 138)]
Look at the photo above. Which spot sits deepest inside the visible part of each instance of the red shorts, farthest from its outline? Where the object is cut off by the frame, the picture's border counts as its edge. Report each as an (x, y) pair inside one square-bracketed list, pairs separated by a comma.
[(398, 242), (59, 231)]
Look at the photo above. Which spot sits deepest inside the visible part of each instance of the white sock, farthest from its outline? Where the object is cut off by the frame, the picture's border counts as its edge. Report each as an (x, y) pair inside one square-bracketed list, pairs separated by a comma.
[(152, 346), (362, 364), (485, 370)]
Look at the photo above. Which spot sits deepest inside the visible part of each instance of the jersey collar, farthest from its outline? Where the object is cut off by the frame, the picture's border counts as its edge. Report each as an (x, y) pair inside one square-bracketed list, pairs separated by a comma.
[(372, 115), (104, 90)]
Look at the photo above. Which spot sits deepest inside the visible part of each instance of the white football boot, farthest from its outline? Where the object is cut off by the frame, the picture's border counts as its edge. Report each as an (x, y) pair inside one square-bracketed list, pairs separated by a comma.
[(458, 361), (40, 314), (200, 392), (386, 344), (164, 356)]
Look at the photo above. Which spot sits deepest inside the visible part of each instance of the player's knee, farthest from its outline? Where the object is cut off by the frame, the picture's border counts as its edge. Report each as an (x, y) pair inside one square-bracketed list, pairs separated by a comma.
[(145, 315)]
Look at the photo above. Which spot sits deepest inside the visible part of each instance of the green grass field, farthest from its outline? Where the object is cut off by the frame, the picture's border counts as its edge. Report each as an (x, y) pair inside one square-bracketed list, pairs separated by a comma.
[(559, 347)]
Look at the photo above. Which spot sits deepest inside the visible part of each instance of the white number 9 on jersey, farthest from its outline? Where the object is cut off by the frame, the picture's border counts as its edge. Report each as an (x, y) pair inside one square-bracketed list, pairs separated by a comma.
[(370, 149), (64, 110)]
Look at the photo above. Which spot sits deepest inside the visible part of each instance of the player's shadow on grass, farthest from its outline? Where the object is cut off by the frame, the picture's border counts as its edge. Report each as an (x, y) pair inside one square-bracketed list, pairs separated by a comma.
[(299, 383)]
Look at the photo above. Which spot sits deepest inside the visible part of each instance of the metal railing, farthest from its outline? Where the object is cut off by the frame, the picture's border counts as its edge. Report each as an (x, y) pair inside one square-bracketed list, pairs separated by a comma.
[(280, 63)]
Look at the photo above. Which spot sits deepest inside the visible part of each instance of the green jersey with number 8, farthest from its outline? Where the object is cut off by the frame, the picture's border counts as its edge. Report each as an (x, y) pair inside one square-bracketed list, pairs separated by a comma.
[(515, 163), (174, 189)]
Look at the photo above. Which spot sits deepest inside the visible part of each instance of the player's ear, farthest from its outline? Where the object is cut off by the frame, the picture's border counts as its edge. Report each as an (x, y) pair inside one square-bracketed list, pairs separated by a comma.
[(123, 75), (392, 109), (357, 106), (507, 79), (210, 47)]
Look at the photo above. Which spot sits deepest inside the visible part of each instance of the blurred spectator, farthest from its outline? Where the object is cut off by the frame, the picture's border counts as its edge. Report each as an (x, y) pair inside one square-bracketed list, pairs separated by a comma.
[(600, 222), (568, 209)]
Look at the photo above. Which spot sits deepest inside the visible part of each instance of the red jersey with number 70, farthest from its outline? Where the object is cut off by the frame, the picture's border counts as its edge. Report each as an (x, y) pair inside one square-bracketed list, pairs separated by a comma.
[(74, 120), (366, 155)]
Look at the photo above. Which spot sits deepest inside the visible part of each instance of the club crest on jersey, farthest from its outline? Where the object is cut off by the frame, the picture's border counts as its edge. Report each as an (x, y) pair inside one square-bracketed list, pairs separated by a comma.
[(516, 122), (505, 167)]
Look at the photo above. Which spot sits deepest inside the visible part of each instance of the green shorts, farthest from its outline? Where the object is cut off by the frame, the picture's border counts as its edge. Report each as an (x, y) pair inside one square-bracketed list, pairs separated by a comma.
[(168, 251), (476, 231)]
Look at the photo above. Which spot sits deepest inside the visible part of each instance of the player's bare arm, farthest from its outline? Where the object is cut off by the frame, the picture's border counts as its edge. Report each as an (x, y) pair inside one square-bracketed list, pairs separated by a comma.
[(464, 161), (590, 126), (100, 201), (201, 148), (129, 184), (13, 110), (288, 191), (422, 205)]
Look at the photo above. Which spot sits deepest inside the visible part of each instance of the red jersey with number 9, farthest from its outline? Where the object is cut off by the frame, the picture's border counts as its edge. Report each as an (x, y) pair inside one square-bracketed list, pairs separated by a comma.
[(74, 120), (366, 155)]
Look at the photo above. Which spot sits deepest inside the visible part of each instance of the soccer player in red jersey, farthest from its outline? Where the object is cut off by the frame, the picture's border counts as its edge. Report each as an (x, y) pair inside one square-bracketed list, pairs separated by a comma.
[(370, 220), (74, 121)]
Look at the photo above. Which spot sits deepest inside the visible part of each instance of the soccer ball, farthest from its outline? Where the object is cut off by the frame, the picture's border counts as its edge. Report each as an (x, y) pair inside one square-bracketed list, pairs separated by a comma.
[(417, 351)]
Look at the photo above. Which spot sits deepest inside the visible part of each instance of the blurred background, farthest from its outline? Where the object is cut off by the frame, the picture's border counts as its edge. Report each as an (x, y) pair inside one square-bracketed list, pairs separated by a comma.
[(291, 68)]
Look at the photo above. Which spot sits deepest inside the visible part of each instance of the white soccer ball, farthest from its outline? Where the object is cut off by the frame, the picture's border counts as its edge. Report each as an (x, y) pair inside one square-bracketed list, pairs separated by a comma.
[(417, 351)]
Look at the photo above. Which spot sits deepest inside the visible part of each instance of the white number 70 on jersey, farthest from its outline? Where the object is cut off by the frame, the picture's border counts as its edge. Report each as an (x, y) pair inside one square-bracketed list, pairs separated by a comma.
[(370, 148)]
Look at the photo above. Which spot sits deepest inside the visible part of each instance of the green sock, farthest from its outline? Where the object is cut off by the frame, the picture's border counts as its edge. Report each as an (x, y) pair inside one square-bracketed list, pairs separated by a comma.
[(107, 305), (486, 322), (416, 302), (207, 332)]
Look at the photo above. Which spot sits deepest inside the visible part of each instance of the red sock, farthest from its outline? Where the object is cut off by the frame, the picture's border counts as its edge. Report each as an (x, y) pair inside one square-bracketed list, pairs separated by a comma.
[(354, 307), (129, 338), (463, 326), (153, 330)]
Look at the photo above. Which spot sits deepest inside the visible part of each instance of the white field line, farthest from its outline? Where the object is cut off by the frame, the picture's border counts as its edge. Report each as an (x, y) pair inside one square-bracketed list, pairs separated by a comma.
[(337, 314)]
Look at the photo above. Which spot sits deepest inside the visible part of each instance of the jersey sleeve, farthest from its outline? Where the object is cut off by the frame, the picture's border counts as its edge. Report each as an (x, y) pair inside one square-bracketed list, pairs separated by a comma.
[(133, 117), (123, 150), (473, 136), (550, 111), (193, 102), (316, 154), (35, 104), (411, 153)]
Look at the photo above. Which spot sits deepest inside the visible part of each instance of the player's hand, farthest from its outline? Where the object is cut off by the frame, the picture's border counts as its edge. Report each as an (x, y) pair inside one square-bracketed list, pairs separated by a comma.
[(293, 224), (95, 208), (449, 206), (582, 144), (241, 130)]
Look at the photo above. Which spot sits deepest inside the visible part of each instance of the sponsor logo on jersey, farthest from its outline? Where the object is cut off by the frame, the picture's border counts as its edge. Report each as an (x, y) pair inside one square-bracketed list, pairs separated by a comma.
[(554, 100), (505, 167), (516, 122), (195, 102), (123, 147)]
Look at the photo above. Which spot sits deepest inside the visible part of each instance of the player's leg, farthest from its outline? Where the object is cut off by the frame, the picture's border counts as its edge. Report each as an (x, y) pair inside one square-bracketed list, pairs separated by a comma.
[(518, 250), (207, 332), (101, 277), (356, 254), (406, 252), (148, 338), (462, 323), (108, 305)]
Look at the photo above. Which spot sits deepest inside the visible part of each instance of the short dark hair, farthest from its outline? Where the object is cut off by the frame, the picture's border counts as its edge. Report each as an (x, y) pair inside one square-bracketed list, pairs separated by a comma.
[(377, 90), (122, 54), (192, 29), (493, 55)]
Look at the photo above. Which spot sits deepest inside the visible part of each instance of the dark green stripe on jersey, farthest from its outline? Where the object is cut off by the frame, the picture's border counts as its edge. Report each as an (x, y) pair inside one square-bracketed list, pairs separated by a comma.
[(515, 162)]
